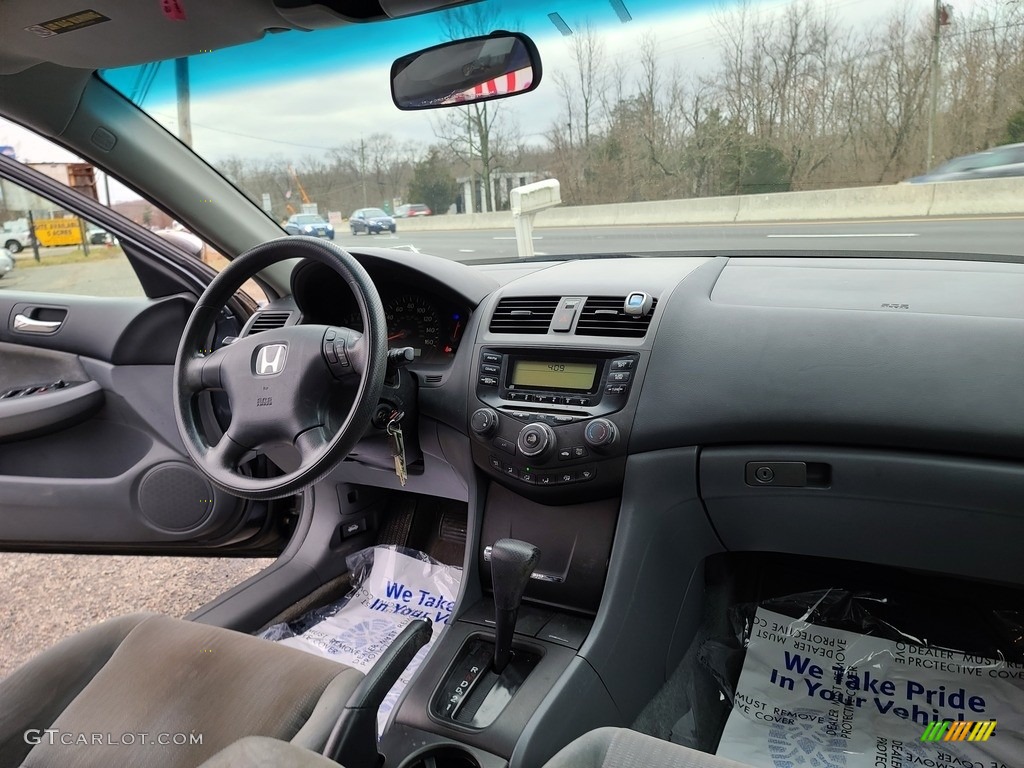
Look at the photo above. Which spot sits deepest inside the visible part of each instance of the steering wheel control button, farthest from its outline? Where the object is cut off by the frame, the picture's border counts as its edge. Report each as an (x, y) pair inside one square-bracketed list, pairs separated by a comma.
[(535, 439), (331, 335), (484, 422), (600, 433)]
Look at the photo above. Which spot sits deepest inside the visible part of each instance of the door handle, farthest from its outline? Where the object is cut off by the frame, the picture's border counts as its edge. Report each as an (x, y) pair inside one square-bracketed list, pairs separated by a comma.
[(26, 324)]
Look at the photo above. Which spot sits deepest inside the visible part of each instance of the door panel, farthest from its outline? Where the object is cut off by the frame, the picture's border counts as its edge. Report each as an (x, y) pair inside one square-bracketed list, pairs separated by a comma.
[(112, 474)]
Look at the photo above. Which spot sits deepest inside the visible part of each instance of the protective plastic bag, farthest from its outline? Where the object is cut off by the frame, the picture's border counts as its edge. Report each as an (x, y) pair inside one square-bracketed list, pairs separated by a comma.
[(855, 679), (391, 586)]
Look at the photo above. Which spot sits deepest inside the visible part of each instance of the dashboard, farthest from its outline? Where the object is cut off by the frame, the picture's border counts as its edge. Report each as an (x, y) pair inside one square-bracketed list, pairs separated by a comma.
[(421, 315)]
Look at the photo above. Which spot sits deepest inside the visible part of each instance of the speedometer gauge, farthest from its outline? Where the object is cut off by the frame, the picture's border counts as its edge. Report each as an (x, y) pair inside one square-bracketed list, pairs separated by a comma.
[(414, 322)]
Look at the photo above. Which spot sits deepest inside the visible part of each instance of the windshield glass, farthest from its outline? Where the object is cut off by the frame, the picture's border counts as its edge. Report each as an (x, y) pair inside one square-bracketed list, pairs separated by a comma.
[(307, 218), (642, 103)]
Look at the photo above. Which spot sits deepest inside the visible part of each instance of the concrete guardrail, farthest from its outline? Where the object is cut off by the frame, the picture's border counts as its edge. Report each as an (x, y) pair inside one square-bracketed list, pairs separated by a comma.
[(1003, 197)]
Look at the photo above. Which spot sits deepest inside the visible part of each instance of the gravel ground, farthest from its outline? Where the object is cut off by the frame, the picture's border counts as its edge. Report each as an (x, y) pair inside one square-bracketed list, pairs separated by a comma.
[(48, 597)]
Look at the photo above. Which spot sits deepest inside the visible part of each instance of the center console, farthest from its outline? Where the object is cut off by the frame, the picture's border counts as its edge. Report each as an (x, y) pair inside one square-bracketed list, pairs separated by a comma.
[(554, 383)]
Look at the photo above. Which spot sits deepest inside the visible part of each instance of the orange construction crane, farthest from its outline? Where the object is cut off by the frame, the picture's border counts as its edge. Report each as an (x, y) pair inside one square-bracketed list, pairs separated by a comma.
[(302, 191)]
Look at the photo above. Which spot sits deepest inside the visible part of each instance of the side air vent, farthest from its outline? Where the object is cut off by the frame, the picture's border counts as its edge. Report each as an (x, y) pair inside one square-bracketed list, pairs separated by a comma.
[(268, 321), (524, 315), (604, 316)]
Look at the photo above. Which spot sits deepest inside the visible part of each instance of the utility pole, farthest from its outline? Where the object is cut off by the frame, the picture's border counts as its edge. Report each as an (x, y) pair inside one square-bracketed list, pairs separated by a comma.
[(362, 167), (940, 17), (184, 113)]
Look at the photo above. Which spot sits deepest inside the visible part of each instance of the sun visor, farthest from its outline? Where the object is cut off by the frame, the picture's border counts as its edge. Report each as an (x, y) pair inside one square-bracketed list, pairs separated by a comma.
[(308, 14)]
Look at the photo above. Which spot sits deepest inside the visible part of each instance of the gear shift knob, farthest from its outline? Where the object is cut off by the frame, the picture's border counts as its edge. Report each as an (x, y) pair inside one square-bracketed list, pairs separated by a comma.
[(512, 563)]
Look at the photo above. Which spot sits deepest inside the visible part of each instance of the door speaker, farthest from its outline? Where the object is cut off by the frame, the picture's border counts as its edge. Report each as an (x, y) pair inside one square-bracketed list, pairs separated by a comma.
[(175, 497)]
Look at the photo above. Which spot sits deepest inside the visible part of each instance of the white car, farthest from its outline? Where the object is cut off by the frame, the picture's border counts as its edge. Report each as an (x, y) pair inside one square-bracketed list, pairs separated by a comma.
[(6, 261), (16, 239)]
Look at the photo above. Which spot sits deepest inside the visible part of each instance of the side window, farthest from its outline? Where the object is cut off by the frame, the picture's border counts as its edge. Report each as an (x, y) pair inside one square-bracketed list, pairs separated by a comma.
[(51, 250)]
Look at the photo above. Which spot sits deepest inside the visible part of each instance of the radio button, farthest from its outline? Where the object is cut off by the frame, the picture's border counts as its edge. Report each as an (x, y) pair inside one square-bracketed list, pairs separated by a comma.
[(488, 381), (563, 419), (620, 377), (506, 445), (490, 357), (535, 440), (490, 368), (616, 389), (622, 365)]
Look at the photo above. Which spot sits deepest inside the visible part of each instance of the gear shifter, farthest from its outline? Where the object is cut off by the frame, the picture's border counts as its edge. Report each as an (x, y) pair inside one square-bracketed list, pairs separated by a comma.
[(512, 563)]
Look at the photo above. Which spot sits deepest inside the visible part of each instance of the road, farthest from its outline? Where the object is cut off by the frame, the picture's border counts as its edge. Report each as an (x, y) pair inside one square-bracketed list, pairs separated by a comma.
[(998, 236), (1001, 236)]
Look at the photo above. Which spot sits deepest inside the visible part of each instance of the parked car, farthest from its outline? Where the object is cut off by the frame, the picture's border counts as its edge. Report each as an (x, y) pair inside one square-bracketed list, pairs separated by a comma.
[(309, 224), (371, 221), (16, 237), (97, 236), (409, 210), (6, 261), (996, 163)]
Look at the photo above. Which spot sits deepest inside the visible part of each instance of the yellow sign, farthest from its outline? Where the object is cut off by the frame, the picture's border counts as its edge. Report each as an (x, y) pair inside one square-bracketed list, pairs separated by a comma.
[(64, 231)]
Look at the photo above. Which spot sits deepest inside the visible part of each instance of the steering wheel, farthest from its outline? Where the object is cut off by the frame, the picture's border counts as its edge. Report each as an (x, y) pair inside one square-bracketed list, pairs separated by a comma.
[(280, 383)]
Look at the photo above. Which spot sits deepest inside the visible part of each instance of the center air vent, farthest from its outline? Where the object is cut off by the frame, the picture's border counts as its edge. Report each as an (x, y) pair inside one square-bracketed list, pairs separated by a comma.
[(604, 316), (268, 321), (524, 315)]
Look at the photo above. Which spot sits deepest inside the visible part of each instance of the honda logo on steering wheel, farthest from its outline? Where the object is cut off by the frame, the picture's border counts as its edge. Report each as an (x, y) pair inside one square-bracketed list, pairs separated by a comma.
[(270, 359)]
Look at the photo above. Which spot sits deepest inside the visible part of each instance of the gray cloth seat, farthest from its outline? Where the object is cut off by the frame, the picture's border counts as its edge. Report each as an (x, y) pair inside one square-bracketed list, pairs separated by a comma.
[(603, 748), (88, 700), (622, 748)]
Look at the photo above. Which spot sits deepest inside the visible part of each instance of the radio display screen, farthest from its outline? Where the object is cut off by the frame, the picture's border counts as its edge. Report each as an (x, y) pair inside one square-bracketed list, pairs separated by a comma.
[(554, 374)]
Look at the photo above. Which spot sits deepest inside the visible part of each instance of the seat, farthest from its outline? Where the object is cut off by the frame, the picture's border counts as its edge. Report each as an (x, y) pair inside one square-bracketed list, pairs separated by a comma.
[(622, 748), (110, 695), (602, 748)]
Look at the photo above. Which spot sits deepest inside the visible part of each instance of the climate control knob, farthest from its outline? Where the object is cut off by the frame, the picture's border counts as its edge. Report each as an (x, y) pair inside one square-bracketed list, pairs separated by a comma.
[(484, 422), (600, 433), (535, 440)]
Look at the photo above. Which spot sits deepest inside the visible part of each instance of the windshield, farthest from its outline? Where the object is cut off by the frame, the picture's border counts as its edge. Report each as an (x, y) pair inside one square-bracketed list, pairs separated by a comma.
[(641, 103), (307, 219)]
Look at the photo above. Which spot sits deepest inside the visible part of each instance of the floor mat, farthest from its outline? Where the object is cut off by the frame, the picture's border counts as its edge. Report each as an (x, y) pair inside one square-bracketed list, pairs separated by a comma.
[(391, 587)]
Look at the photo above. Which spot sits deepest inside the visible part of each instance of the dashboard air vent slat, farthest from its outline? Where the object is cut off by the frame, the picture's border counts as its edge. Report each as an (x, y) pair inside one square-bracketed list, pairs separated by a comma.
[(529, 314), (269, 321), (604, 316)]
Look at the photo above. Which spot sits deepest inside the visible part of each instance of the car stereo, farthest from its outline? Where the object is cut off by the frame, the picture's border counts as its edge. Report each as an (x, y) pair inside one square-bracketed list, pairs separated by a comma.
[(545, 422), (597, 381)]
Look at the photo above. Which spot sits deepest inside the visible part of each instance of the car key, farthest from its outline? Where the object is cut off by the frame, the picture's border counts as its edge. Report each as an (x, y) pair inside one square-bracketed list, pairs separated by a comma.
[(394, 429)]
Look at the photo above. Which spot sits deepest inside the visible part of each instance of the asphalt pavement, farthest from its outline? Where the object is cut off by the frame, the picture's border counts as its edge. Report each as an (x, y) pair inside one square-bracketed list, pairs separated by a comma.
[(998, 236)]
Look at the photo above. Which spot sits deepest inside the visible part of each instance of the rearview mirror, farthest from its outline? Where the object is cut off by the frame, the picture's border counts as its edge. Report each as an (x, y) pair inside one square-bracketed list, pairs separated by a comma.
[(464, 71)]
